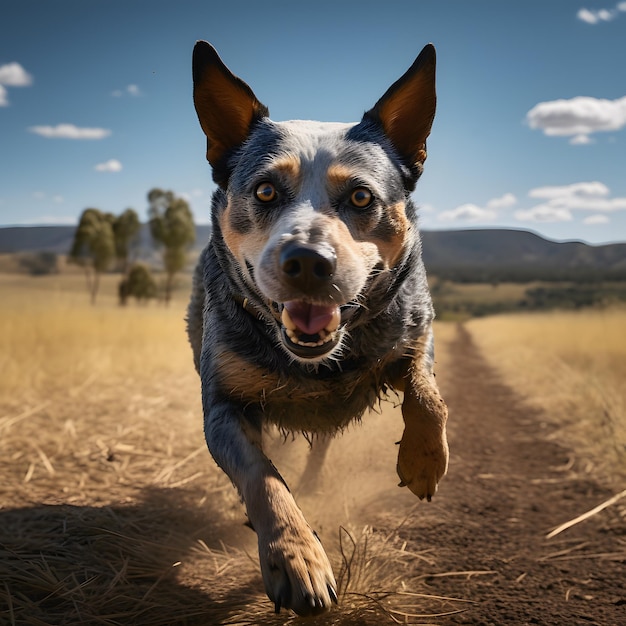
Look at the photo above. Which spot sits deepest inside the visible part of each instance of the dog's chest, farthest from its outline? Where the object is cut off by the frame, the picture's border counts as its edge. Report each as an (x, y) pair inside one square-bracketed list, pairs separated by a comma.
[(302, 402)]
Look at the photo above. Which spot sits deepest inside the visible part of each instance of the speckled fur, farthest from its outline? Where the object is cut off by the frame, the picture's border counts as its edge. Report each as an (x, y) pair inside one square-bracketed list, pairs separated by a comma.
[(249, 377)]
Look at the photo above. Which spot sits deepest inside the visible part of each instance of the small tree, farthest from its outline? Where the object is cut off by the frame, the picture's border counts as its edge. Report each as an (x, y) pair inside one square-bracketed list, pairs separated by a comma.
[(93, 247), (172, 227), (139, 284), (40, 263), (126, 229)]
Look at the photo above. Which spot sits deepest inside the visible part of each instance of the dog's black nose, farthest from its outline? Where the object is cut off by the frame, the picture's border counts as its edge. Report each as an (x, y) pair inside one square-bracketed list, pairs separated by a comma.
[(305, 267)]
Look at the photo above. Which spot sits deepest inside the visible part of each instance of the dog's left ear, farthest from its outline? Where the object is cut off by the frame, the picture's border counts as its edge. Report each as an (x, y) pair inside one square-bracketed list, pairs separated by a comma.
[(407, 110), (226, 106)]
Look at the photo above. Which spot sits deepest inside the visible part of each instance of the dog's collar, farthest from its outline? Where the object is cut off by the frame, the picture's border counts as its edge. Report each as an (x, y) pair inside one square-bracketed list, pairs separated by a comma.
[(246, 305), (256, 312)]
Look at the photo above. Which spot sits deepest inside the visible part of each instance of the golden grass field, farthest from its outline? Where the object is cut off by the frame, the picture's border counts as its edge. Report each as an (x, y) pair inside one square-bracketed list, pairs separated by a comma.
[(573, 366), (104, 464), (103, 461)]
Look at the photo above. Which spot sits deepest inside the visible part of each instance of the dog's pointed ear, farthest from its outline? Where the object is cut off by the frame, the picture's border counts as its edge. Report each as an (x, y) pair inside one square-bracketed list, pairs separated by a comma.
[(407, 110), (226, 106)]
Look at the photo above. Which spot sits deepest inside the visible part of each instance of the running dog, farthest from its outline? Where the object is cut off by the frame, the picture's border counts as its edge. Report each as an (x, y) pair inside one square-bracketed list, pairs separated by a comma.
[(310, 300)]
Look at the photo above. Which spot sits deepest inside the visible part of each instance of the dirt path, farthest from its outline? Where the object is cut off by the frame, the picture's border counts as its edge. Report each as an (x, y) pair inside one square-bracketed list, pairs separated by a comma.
[(508, 485)]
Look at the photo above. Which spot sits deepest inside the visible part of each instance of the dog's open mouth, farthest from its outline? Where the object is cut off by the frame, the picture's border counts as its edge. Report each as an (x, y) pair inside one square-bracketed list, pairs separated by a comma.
[(310, 330)]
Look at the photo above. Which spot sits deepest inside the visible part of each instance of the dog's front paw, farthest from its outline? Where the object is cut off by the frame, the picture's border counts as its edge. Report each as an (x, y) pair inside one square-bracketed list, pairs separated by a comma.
[(421, 464), (296, 570)]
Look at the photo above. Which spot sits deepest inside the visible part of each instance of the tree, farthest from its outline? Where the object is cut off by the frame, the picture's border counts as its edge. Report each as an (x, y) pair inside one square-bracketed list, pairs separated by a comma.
[(93, 247), (138, 283), (125, 231), (172, 228), (40, 263)]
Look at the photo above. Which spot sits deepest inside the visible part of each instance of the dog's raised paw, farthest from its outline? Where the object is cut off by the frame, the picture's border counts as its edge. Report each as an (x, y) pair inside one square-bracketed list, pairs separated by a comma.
[(296, 571), (420, 467)]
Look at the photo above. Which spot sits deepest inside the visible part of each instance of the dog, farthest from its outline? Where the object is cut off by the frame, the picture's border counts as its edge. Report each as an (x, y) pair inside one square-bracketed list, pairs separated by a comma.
[(310, 301)]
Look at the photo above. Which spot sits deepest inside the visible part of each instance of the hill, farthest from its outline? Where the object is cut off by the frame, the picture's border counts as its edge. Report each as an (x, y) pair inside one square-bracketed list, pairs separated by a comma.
[(518, 256), (481, 255)]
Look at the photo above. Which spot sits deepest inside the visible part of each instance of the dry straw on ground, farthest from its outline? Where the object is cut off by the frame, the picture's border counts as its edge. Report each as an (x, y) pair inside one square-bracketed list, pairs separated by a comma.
[(111, 510)]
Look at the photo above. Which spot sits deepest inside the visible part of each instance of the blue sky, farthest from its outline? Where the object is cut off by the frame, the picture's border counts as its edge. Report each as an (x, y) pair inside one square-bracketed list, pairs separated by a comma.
[(96, 108)]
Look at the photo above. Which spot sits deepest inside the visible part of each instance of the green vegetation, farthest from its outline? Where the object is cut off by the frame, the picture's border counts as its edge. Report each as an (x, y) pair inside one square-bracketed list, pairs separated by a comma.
[(139, 284), (465, 300), (125, 231), (173, 229), (93, 247), (39, 263)]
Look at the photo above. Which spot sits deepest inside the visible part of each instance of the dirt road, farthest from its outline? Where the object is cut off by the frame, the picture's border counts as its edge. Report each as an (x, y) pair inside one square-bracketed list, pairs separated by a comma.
[(509, 484)]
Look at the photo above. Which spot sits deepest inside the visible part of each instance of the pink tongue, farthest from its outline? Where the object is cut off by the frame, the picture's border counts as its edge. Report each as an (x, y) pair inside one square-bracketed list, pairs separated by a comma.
[(309, 318)]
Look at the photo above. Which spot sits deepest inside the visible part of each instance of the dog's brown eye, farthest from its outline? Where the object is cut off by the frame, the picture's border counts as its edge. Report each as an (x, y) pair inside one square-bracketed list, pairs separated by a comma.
[(266, 192), (361, 197)]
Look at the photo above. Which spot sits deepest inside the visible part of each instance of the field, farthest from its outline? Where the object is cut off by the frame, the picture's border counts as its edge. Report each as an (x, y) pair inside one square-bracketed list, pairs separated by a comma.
[(571, 365), (113, 512)]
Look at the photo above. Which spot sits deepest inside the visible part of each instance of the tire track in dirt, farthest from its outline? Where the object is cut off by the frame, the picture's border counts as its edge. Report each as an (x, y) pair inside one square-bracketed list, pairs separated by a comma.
[(508, 485)]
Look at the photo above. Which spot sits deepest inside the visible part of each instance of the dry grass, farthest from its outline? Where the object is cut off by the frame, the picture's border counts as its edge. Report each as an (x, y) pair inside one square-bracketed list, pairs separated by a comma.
[(111, 509), (573, 365)]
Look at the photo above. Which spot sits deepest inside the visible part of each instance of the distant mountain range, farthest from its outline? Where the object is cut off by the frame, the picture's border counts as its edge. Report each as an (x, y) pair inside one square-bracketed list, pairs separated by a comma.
[(462, 255)]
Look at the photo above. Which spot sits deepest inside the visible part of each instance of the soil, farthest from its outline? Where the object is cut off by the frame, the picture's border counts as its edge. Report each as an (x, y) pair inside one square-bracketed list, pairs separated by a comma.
[(509, 484)]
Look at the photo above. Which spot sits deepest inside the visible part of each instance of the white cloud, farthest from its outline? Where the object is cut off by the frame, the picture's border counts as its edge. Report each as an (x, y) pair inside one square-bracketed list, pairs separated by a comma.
[(14, 75), (51, 220), (112, 165), (589, 190), (467, 213), (40, 195), (592, 196), (560, 201), (591, 16), (473, 213), (503, 202), (544, 213), (69, 131), (581, 140), (596, 219), (578, 117), (131, 90)]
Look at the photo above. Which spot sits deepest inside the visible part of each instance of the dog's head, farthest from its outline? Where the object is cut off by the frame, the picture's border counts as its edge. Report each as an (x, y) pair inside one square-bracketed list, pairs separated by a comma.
[(313, 212)]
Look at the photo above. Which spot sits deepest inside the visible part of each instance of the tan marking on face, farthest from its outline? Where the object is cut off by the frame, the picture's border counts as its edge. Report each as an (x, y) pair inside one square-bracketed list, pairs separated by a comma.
[(242, 245), (392, 245), (234, 240), (338, 174), (355, 259), (288, 165)]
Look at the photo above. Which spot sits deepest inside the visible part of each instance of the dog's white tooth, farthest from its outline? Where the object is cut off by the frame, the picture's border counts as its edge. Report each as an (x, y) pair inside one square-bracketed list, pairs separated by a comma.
[(334, 322), (285, 318), (291, 334)]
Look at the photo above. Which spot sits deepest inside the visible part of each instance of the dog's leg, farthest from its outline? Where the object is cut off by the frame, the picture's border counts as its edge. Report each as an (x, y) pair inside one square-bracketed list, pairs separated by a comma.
[(312, 474), (295, 568), (423, 454)]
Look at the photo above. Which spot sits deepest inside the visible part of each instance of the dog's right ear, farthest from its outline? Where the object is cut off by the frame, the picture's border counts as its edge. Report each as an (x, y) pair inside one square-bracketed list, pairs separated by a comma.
[(226, 107)]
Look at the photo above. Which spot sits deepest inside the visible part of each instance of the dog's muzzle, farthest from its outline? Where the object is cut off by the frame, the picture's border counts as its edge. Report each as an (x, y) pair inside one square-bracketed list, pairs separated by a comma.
[(309, 330)]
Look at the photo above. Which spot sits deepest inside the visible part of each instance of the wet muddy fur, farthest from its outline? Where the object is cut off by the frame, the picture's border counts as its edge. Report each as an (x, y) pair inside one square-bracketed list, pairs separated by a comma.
[(310, 300)]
